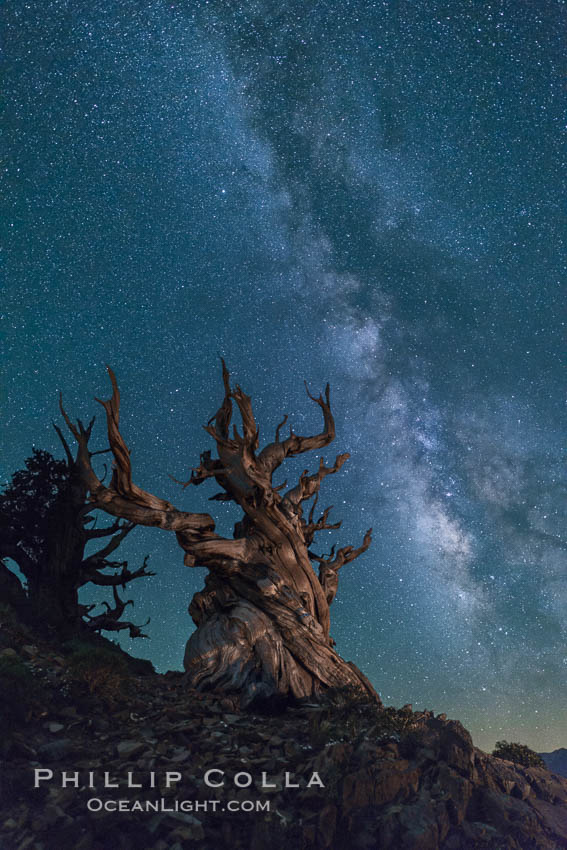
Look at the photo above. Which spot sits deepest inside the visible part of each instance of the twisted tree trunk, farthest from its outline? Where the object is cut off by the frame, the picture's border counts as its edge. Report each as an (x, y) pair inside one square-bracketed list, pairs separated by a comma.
[(263, 617)]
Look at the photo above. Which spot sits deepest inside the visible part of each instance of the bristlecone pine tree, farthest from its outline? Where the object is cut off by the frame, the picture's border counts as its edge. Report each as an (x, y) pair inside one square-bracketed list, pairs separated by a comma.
[(263, 616), (45, 526)]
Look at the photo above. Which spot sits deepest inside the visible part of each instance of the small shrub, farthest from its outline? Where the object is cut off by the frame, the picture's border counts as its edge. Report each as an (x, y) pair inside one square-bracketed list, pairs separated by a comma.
[(320, 731), (348, 715), (102, 670), (396, 721), (136, 666), (518, 753)]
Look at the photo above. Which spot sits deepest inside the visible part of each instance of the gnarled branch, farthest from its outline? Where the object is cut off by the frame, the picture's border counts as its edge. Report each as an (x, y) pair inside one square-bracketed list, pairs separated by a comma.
[(309, 484), (223, 415), (122, 578), (279, 427), (65, 444), (275, 453), (95, 533), (263, 618), (123, 498), (321, 525), (208, 468), (110, 620), (329, 567), (111, 546)]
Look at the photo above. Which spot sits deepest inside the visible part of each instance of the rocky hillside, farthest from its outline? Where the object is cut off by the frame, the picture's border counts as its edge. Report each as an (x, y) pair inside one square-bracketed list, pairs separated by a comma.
[(357, 777)]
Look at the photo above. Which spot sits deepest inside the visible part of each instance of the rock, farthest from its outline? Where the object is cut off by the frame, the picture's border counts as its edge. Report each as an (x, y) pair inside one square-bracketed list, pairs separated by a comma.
[(180, 756), (554, 816), (326, 825), (55, 750), (9, 653), (428, 790), (388, 781), (52, 814), (420, 825), (68, 711), (129, 749), (456, 790), (27, 842), (192, 827), (21, 748)]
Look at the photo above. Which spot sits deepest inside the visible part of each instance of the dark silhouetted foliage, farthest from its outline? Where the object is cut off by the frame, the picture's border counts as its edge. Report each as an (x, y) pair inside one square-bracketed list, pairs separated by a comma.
[(28, 502), (104, 672), (518, 753), (45, 526)]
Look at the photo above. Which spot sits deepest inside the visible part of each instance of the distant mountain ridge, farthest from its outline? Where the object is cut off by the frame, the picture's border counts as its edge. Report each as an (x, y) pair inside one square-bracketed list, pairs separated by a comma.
[(556, 761)]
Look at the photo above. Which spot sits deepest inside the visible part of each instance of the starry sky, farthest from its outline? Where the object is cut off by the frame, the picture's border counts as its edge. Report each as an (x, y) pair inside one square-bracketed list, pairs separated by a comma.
[(365, 193)]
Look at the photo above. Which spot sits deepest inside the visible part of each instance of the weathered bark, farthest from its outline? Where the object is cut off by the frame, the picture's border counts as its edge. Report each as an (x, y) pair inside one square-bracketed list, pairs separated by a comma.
[(263, 617), (53, 589)]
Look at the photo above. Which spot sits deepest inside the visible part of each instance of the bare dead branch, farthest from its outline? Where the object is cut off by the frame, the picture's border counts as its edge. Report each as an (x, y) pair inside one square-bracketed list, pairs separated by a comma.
[(321, 525), (124, 499), (94, 533), (82, 437), (313, 506), (110, 547), (223, 415), (272, 455), (70, 458), (329, 567), (249, 429), (118, 579), (110, 620), (264, 610), (208, 468), (122, 473), (309, 484), (279, 427)]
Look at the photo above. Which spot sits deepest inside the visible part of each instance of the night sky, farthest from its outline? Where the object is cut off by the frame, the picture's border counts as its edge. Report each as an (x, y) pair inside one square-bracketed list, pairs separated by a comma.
[(362, 193)]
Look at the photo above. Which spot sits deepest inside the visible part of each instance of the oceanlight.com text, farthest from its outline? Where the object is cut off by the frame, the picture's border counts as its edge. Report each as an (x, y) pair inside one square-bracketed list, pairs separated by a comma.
[(96, 804)]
